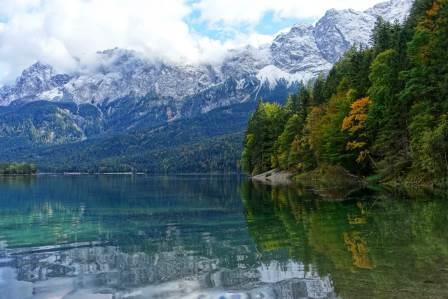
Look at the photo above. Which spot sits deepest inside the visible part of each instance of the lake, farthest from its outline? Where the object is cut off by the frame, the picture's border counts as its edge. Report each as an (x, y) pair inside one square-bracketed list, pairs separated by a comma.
[(216, 237)]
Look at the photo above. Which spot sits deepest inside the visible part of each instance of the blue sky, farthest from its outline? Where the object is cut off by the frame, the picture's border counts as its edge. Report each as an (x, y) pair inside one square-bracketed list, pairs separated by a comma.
[(269, 24)]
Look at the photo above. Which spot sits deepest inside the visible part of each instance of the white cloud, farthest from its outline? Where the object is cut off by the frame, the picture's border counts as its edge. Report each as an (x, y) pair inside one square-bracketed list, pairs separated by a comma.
[(250, 12), (58, 32)]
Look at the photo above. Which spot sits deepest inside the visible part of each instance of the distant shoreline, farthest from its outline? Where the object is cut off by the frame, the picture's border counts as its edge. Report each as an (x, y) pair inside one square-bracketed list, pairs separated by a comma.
[(16, 175), (128, 174), (133, 173)]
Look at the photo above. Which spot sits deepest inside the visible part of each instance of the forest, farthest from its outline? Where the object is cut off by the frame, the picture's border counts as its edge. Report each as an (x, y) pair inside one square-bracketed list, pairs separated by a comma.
[(381, 112), (17, 169)]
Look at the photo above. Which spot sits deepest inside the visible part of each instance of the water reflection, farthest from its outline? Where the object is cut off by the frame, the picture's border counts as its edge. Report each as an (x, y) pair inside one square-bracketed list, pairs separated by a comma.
[(98, 271), (214, 237), (372, 246), (139, 237)]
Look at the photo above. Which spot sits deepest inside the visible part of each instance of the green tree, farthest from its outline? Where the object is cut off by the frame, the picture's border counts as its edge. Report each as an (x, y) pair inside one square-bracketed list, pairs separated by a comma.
[(265, 125), (292, 129), (388, 116)]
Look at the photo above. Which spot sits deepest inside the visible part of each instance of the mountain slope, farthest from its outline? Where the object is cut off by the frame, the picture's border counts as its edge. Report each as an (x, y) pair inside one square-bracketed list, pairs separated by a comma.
[(209, 142)]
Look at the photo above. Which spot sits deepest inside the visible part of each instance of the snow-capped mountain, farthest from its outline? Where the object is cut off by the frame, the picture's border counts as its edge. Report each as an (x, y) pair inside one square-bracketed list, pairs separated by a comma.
[(338, 30), (35, 80), (391, 11), (126, 89), (300, 54)]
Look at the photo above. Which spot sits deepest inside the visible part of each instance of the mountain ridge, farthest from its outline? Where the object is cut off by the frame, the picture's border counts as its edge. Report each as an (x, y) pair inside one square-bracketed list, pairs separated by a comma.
[(301, 54)]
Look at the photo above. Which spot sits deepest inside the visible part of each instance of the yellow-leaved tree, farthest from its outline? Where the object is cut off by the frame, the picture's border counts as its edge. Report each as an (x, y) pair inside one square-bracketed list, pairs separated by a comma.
[(355, 125)]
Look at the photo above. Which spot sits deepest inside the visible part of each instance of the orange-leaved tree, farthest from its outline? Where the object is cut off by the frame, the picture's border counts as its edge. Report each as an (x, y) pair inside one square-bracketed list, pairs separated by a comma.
[(355, 125)]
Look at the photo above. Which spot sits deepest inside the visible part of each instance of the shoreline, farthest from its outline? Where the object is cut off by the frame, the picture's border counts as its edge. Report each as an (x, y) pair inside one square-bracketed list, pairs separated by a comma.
[(274, 177), (119, 173), (334, 179)]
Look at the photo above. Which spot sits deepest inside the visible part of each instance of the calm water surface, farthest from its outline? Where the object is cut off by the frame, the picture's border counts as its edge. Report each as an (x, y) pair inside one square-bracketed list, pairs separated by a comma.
[(215, 237)]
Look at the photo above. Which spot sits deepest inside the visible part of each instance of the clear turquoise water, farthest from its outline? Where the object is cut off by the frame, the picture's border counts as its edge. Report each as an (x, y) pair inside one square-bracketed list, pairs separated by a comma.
[(215, 237)]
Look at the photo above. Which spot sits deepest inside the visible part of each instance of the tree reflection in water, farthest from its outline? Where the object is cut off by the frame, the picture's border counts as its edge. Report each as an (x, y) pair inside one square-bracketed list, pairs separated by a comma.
[(374, 245)]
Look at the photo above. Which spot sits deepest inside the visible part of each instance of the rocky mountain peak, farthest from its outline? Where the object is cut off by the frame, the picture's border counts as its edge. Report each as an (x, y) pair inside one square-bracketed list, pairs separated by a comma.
[(338, 30), (391, 10), (36, 78), (38, 68), (296, 52)]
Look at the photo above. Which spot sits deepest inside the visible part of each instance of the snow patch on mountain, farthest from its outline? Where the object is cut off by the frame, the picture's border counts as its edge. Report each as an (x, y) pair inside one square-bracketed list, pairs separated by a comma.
[(52, 94), (394, 10), (272, 75)]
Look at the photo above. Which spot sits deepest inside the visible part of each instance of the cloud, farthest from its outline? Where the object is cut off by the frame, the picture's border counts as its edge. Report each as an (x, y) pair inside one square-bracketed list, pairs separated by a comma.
[(64, 32), (61, 32), (250, 12)]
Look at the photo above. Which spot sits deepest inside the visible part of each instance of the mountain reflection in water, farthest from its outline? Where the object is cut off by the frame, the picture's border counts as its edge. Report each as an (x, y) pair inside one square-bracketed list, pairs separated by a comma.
[(214, 237)]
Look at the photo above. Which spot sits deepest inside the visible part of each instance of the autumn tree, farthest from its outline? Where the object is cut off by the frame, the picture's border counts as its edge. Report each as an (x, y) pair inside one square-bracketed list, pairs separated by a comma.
[(355, 125)]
